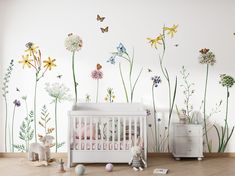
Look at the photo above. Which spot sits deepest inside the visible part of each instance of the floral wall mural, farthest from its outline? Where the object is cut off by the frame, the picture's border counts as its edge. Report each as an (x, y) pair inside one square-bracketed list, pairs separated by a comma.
[(156, 58)]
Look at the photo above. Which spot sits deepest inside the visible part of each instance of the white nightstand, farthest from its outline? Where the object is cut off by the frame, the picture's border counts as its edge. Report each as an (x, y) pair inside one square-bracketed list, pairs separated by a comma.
[(187, 141)]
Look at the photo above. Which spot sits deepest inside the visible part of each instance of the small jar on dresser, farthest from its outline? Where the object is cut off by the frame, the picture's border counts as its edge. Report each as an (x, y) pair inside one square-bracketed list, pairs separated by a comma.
[(187, 141)]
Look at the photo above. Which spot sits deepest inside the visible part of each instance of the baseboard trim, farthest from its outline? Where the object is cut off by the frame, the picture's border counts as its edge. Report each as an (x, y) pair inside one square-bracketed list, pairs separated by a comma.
[(215, 155), (160, 155)]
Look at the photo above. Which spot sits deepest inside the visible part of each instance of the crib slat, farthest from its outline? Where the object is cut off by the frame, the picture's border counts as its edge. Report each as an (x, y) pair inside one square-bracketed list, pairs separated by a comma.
[(107, 134), (135, 130), (124, 133), (145, 137), (129, 118), (85, 133), (80, 132), (91, 128), (102, 134), (96, 133), (119, 133), (73, 125), (113, 129), (141, 127)]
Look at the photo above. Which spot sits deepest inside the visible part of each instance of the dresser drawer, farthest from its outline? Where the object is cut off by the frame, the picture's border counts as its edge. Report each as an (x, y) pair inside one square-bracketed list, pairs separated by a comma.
[(187, 146), (187, 130)]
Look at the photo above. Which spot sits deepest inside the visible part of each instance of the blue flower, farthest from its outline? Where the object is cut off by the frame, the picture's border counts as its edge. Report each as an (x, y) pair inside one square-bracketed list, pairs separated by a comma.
[(112, 59), (156, 80), (121, 49)]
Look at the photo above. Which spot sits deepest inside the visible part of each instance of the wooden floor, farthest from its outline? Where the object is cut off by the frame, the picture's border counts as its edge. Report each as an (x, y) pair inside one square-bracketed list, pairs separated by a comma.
[(189, 167)]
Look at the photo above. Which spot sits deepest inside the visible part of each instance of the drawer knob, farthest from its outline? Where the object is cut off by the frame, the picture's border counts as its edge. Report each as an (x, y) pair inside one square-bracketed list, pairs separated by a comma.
[(189, 131)]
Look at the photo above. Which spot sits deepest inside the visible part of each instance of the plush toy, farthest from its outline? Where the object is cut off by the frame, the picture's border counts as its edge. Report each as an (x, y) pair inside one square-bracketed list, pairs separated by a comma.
[(137, 162), (41, 152)]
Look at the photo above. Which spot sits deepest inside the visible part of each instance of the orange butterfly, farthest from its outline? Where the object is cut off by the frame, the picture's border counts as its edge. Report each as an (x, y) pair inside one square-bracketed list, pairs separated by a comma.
[(99, 18), (103, 30), (204, 51), (98, 66)]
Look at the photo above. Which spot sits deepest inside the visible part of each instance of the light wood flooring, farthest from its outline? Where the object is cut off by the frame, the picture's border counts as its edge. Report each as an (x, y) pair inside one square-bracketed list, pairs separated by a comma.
[(189, 167)]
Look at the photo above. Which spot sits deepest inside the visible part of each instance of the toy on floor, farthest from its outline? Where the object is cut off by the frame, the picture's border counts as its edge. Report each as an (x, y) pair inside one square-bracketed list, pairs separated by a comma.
[(109, 167), (61, 169), (137, 161), (41, 152), (80, 169)]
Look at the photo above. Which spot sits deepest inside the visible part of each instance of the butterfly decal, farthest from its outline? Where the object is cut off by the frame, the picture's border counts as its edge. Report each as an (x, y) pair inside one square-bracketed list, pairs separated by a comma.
[(103, 30), (59, 76), (98, 66), (99, 18), (204, 50)]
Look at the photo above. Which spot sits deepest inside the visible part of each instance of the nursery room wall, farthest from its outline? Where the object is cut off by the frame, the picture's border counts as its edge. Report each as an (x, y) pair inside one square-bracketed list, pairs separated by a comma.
[(198, 24)]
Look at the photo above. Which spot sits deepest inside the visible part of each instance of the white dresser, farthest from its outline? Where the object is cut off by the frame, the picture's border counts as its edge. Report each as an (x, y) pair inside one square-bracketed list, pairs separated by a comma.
[(187, 141)]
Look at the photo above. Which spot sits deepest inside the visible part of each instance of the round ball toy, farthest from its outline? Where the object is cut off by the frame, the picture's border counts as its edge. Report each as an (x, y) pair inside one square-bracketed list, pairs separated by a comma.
[(80, 170), (109, 167)]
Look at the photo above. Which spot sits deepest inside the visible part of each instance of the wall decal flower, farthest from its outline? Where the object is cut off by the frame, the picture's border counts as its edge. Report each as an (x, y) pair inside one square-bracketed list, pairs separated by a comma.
[(188, 91), (208, 58), (88, 98), (44, 120), (73, 43), (5, 89), (226, 81), (122, 53), (33, 59), (156, 42), (26, 61), (110, 95), (171, 30), (97, 74), (26, 104), (156, 80), (49, 63), (26, 133), (16, 104), (58, 92)]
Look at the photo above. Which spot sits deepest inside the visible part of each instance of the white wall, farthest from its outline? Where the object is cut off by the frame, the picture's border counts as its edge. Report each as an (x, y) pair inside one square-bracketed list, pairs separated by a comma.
[(201, 24)]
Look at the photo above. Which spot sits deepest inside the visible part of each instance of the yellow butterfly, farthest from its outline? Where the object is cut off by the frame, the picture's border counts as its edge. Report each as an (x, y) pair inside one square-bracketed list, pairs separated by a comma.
[(103, 30), (99, 18)]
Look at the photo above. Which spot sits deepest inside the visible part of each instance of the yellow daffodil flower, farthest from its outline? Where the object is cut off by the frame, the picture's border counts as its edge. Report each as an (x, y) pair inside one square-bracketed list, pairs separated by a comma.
[(49, 63), (26, 61), (32, 48), (171, 30), (154, 42)]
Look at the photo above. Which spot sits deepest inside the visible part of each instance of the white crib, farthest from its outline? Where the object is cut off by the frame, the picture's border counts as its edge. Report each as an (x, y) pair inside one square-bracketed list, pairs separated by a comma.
[(102, 133)]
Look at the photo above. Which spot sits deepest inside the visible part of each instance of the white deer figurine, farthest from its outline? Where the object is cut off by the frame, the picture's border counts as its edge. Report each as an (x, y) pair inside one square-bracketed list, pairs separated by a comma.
[(41, 151)]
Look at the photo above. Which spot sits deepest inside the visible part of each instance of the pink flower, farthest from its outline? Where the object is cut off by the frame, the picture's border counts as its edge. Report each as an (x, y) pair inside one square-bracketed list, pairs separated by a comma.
[(97, 74)]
